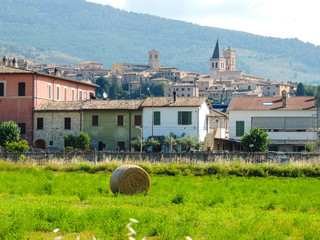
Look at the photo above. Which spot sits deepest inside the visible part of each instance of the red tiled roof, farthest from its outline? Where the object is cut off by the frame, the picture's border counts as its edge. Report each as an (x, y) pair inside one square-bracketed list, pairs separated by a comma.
[(271, 103), (180, 102), (90, 105)]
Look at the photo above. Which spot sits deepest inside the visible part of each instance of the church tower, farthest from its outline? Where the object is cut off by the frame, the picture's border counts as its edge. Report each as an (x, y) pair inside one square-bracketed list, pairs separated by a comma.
[(217, 61), (154, 59), (230, 56)]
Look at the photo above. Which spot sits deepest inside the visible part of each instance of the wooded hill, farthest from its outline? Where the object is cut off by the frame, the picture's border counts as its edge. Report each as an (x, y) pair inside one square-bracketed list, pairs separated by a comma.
[(67, 32)]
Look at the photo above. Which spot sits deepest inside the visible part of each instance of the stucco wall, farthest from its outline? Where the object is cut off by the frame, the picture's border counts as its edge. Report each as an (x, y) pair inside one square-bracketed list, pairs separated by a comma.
[(107, 131), (169, 122), (247, 115)]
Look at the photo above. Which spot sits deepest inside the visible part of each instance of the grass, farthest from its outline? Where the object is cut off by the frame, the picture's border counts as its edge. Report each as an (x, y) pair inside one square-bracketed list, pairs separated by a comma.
[(212, 205)]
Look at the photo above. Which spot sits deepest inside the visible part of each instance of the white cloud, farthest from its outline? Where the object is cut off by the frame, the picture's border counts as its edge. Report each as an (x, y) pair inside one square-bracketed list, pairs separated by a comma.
[(278, 18)]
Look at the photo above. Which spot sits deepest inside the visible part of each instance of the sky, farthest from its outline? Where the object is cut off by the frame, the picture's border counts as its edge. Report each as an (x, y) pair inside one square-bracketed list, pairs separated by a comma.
[(274, 18)]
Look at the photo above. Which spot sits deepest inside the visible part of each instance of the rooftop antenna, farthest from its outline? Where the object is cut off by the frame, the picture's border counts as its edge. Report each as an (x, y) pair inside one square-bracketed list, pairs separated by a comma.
[(105, 95)]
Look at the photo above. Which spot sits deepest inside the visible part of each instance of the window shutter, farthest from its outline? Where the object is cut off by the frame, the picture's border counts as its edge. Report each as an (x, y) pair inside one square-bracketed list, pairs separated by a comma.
[(179, 118), (1, 89), (189, 118), (156, 118), (239, 128)]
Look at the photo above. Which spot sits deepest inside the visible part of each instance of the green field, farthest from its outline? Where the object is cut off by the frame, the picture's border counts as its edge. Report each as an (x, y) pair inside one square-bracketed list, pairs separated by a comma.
[(36, 200)]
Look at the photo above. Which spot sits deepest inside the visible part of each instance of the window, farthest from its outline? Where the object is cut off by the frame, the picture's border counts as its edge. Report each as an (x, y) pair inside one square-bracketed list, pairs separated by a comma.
[(156, 118), (67, 123), (137, 120), (239, 128), (2, 91), (156, 56), (49, 91), (80, 95), (121, 146), (72, 94), (21, 89), (184, 118), (65, 93), (58, 92), (95, 120), (22, 127), (150, 56), (39, 123), (120, 120), (85, 96)]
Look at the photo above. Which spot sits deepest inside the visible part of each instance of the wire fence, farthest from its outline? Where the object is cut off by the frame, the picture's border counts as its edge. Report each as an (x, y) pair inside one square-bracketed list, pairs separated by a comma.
[(44, 157)]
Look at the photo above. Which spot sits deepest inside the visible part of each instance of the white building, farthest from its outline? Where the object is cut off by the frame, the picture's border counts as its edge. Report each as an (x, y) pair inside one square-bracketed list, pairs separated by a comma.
[(178, 115), (290, 122)]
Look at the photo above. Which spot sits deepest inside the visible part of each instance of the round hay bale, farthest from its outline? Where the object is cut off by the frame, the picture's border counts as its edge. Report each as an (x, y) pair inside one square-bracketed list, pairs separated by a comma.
[(129, 180)]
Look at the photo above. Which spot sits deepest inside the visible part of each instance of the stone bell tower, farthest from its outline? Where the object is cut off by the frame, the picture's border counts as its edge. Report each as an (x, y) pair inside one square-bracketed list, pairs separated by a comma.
[(154, 59), (217, 61)]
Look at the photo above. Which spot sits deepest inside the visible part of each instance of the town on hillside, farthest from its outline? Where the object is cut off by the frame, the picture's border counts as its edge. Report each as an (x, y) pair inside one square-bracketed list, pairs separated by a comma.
[(49, 102)]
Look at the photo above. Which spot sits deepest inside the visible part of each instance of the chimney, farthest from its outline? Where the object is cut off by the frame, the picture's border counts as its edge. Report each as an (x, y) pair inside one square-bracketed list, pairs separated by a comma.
[(25, 65), (174, 96), (284, 98), (5, 61), (14, 63), (56, 71)]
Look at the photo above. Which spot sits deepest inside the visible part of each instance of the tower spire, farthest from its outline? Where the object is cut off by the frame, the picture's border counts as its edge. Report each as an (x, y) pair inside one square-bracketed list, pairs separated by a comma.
[(217, 53)]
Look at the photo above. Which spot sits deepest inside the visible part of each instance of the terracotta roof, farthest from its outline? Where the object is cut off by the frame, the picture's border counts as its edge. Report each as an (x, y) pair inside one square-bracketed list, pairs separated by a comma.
[(5, 69), (271, 103), (11, 70), (59, 106), (90, 105), (180, 102), (90, 62), (216, 113), (112, 104)]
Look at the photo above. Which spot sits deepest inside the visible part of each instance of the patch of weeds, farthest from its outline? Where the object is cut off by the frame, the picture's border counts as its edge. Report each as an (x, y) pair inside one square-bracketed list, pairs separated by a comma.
[(217, 199), (270, 206), (178, 199), (82, 195)]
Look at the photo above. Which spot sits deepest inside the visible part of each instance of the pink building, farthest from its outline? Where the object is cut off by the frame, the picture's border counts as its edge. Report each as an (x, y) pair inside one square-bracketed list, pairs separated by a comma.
[(22, 90)]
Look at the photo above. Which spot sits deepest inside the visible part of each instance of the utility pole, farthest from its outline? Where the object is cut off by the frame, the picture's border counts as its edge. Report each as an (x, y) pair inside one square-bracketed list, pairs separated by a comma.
[(152, 109)]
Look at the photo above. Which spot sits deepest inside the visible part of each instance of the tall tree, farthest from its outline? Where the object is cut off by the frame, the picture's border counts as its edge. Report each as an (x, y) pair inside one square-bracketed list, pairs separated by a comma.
[(115, 90), (301, 91), (104, 83)]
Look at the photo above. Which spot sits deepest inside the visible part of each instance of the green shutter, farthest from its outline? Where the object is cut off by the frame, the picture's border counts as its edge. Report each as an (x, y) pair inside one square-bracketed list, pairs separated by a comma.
[(179, 118), (156, 119), (189, 118), (239, 128), (294, 148)]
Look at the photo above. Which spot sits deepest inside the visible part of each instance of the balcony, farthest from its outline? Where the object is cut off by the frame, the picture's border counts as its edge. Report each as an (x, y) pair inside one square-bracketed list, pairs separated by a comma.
[(300, 136)]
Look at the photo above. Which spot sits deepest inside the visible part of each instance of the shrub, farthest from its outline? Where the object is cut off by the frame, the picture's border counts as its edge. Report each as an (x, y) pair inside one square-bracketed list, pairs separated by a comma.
[(137, 142), (258, 137), (83, 141), (17, 147), (69, 141), (9, 132), (190, 143)]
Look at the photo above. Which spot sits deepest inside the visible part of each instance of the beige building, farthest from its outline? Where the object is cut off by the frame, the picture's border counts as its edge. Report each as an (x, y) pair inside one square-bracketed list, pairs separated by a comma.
[(276, 88), (90, 64), (182, 90)]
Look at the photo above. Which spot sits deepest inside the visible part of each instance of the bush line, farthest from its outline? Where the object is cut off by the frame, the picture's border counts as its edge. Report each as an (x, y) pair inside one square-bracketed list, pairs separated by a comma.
[(173, 169)]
